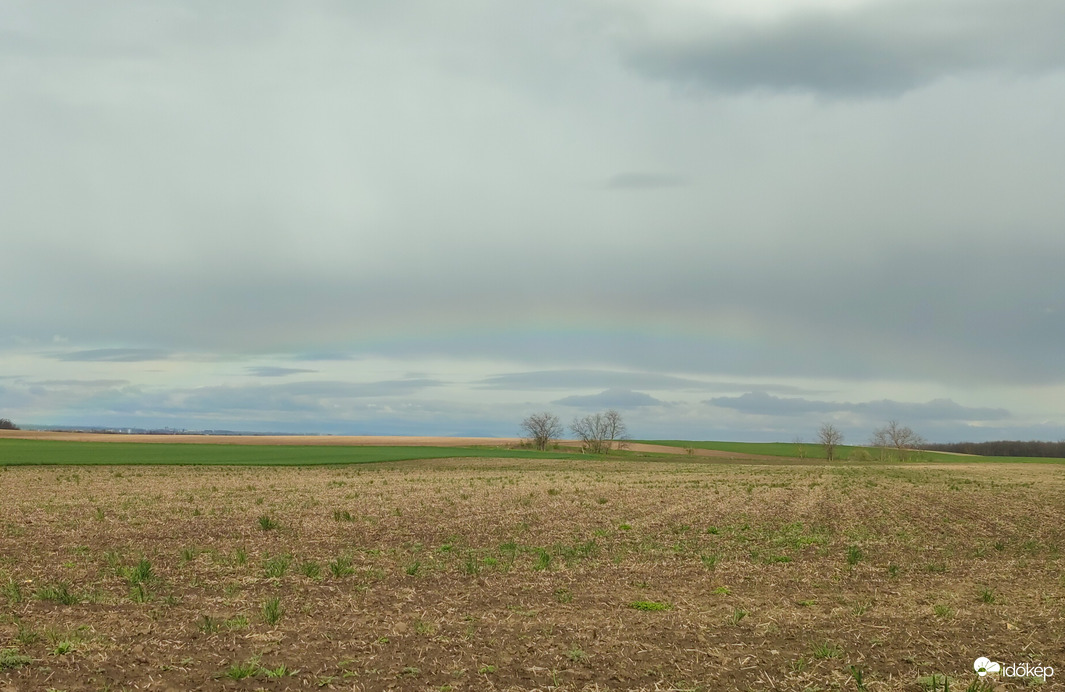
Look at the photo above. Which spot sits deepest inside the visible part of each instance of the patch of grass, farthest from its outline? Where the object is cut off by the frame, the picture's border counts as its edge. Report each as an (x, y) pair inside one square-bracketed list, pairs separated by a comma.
[(563, 595), (266, 523), (242, 671), (987, 596), (341, 567), (470, 565), (342, 515), (827, 650), (543, 560), (138, 577), (237, 622), (709, 561), (275, 567), (854, 555), (859, 678), (942, 610), (11, 658), (12, 591), (310, 569), (27, 635), (650, 606), (279, 672), (58, 593), (737, 615), (138, 593), (62, 648), (576, 655), (272, 611), (208, 624)]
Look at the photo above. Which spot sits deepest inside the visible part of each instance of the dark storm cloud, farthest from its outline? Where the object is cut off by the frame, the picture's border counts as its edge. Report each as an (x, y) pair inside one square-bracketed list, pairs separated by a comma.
[(115, 355), (873, 49), (275, 371), (611, 398), (643, 181), (761, 403)]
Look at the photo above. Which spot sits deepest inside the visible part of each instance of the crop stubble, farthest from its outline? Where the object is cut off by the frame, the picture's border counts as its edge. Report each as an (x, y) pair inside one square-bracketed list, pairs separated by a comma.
[(518, 574)]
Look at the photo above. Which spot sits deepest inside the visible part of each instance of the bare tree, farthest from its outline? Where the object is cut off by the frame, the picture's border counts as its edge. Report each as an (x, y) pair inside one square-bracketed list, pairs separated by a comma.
[(880, 441), (616, 430), (542, 428), (598, 432), (800, 446), (902, 438), (830, 437), (6, 424)]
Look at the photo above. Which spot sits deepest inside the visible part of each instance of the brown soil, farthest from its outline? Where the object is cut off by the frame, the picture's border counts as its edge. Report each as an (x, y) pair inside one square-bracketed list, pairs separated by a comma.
[(519, 575)]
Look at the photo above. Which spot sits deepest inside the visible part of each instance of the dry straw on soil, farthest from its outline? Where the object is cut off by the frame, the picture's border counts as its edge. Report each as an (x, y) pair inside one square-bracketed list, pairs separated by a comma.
[(508, 574)]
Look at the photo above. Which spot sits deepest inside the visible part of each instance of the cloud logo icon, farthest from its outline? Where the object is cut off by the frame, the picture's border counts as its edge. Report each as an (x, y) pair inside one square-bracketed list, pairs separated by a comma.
[(985, 665)]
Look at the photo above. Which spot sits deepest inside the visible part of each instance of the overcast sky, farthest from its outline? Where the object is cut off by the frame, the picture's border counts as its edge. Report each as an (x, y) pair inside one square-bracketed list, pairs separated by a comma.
[(730, 219)]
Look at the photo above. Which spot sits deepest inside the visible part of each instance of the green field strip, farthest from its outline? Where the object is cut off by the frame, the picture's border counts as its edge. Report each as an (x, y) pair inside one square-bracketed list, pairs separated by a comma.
[(812, 450), (60, 453)]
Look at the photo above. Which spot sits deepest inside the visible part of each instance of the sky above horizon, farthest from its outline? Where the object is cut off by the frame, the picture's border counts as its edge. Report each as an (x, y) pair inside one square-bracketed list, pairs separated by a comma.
[(728, 220)]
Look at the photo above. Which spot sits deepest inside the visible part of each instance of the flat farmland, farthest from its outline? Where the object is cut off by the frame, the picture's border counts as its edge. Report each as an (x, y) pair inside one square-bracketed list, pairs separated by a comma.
[(522, 574)]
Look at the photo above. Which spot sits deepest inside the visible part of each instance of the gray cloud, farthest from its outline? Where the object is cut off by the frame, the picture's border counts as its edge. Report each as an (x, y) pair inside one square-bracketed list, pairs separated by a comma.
[(413, 186), (290, 396), (275, 371), (611, 398), (873, 49), (586, 379), (761, 403), (115, 355), (643, 181), (90, 384), (615, 379)]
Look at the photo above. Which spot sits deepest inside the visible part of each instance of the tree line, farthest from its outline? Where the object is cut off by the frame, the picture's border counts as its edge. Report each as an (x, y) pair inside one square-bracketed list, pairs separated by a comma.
[(6, 424), (892, 438), (598, 432), (1004, 448)]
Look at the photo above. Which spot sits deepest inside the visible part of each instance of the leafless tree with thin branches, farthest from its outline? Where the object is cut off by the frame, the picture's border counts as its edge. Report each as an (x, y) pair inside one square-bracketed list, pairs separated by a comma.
[(600, 432), (542, 428), (830, 437), (895, 436)]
